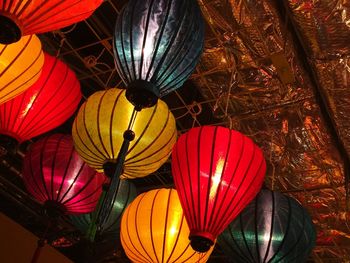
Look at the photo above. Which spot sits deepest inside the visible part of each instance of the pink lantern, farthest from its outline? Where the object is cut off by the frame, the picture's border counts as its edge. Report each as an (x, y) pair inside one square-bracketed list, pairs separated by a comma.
[(56, 176)]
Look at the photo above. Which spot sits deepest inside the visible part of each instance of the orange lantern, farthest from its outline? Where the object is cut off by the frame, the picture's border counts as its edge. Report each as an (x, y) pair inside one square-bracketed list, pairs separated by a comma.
[(20, 66), (25, 17), (154, 229)]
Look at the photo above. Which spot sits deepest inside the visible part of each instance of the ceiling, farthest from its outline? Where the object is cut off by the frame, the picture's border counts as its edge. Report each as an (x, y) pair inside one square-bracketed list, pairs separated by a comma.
[(278, 71)]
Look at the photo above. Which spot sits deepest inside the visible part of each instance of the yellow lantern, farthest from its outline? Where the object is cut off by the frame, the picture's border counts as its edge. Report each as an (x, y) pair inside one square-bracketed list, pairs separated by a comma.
[(99, 126), (20, 66), (154, 229)]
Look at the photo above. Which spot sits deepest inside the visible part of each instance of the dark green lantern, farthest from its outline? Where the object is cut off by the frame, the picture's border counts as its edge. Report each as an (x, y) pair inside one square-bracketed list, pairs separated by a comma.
[(157, 44), (126, 193), (272, 228)]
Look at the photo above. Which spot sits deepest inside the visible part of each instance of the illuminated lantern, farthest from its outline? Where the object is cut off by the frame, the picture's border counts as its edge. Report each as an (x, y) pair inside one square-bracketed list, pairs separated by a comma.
[(56, 176), (126, 192), (25, 17), (45, 105), (272, 228), (157, 45), (20, 66), (98, 133), (217, 172), (154, 229)]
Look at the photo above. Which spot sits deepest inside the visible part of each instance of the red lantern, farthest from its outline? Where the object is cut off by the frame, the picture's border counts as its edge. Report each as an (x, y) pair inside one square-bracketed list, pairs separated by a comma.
[(56, 176), (26, 17), (217, 172), (45, 105)]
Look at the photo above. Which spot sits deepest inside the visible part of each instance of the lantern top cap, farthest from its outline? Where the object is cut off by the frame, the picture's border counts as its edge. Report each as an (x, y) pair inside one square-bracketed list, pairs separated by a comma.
[(10, 31)]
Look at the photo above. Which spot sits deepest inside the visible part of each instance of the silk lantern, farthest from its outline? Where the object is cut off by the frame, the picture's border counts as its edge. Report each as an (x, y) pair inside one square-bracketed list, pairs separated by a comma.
[(110, 134), (20, 66), (98, 133), (50, 101), (126, 193), (217, 172), (57, 177), (157, 45), (154, 229), (25, 17), (272, 228)]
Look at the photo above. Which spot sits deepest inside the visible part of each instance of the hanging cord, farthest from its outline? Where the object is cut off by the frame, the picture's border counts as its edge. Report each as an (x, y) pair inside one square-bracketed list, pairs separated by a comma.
[(63, 40), (41, 243), (92, 230), (109, 193)]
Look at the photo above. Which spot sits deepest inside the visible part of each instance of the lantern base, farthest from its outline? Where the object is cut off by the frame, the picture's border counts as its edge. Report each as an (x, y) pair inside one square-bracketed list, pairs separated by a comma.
[(54, 209), (109, 168), (142, 94), (201, 244), (9, 31), (8, 144)]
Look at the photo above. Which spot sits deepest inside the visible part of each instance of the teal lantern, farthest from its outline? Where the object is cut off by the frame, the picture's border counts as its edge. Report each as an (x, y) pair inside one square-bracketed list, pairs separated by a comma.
[(272, 228), (157, 45), (126, 193)]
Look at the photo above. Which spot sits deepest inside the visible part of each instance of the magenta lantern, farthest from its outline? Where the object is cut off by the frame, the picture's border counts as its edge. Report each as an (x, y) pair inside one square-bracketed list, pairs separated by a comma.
[(217, 172), (56, 176)]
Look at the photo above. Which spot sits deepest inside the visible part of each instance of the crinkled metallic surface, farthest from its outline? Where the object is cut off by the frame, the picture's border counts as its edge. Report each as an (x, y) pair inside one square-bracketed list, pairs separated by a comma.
[(254, 74), (334, 80), (324, 25), (324, 30)]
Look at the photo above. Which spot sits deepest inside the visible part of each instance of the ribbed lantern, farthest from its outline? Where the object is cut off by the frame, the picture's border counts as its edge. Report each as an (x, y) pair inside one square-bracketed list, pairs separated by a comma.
[(101, 122), (56, 176), (126, 193), (157, 45), (25, 17), (45, 105), (217, 172), (272, 228), (20, 66), (154, 229)]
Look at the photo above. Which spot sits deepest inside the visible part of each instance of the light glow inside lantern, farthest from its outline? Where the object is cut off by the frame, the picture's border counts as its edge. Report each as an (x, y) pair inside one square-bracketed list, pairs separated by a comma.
[(20, 66), (57, 177), (272, 228), (157, 45), (99, 126), (49, 102), (154, 229), (26, 17), (217, 172), (126, 193)]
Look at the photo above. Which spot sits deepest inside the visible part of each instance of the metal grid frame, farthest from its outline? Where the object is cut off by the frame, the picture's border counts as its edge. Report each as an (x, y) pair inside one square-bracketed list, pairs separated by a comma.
[(238, 85)]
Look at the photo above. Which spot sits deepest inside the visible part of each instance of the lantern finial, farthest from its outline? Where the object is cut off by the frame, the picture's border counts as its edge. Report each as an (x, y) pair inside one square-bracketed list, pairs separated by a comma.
[(10, 32), (201, 244), (109, 168), (142, 94), (54, 209)]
